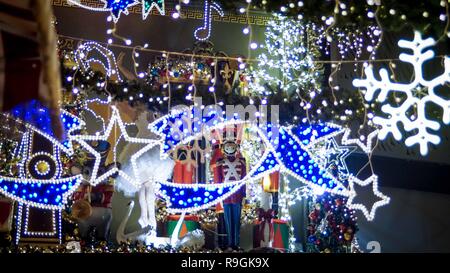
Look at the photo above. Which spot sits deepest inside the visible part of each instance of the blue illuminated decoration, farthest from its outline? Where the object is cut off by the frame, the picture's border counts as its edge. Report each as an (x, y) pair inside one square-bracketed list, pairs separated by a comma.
[(332, 157), (288, 149), (291, 153), (119, 6), (269, 164), (298, 161), (314, 132), (40, 182), (40, 193), (183, 126), (71, 123), (37, 118), (34, 113), (196, 196)]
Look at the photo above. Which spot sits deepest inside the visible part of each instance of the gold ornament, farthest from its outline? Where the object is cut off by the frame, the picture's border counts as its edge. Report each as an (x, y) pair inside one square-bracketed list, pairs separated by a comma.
[(347, 236), (42, 167)]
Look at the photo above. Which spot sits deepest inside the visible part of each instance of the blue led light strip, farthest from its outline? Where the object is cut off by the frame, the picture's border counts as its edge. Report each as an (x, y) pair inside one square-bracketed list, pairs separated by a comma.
[(46, 194)]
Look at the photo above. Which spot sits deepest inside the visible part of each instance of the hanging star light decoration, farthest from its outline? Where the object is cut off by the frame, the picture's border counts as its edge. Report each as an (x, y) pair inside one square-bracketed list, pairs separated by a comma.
[(114, 123), (119, 6), (366, 147), (147, 6), (384, 200), (411, 112), (332, 157)]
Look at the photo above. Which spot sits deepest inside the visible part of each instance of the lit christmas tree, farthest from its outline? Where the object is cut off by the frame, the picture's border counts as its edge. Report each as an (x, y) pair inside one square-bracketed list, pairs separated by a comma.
[(287, 63), (332, 226)]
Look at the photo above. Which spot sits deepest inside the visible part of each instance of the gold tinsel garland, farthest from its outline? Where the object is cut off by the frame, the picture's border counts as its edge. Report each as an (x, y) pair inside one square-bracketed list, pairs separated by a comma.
[(104, 248)]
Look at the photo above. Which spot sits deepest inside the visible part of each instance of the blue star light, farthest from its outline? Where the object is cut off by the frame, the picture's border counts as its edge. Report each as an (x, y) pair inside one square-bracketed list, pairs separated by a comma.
[(337, 157), (332, 157), (119, 6)]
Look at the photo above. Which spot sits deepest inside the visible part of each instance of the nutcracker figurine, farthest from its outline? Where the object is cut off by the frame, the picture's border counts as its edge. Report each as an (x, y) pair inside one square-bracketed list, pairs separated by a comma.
[(222, 239), (230, 166)]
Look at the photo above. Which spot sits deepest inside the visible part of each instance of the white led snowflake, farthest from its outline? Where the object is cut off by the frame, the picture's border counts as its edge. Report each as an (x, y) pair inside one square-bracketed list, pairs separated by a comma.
[(418, 94)]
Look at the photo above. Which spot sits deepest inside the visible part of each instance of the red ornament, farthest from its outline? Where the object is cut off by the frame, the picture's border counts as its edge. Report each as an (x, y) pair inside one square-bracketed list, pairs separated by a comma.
[(209, 61), (314, 215), (187, 76)]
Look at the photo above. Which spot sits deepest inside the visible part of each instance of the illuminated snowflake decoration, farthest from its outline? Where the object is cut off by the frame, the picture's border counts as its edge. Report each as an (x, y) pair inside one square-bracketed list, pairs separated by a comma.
[(418, 94)]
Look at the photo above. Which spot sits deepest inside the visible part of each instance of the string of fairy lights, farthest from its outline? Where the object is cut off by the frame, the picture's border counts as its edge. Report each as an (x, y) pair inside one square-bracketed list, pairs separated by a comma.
[(166, 56)]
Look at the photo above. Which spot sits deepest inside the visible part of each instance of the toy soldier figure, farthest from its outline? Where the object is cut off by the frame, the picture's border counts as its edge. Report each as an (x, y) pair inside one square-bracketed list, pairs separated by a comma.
[(231, 167)]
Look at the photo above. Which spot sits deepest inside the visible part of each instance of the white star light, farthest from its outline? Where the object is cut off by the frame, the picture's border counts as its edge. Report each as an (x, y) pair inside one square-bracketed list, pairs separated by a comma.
[(115, 118), (370, 215), (418, 93), (367, 148)]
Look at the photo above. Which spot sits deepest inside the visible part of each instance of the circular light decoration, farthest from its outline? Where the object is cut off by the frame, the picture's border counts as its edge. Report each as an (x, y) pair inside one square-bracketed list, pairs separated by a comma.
[(42, 166)]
